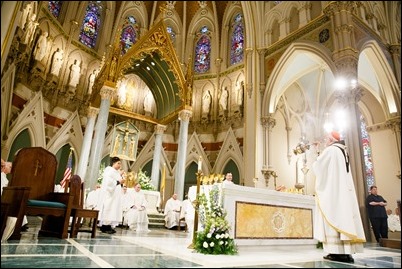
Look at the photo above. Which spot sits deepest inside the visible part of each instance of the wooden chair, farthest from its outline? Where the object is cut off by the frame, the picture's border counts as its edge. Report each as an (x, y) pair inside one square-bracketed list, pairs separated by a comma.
[(182, 220), (13, 204), (35, 168), (78, 212)]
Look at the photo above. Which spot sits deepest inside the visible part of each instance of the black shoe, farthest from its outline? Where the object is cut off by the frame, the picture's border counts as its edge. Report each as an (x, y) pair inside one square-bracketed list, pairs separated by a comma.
[(331, 257), (348, 258)]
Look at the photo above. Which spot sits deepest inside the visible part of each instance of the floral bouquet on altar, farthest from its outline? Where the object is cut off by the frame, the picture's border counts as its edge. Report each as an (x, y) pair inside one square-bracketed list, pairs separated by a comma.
[(214, 239)]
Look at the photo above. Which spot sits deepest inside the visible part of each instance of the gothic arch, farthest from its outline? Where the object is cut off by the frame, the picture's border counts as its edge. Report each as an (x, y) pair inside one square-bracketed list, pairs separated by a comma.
[(278, 79), (30, 118), (69, 133), (169, 89), (382, 84)]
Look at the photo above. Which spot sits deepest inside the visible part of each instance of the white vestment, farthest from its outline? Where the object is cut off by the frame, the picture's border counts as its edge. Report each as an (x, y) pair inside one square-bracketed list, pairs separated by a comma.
[(4, 181), (172, 212), (137, 217), (93, 199), (394, 224), (338, 223), (127, 201), (110, 200), (188, 212)]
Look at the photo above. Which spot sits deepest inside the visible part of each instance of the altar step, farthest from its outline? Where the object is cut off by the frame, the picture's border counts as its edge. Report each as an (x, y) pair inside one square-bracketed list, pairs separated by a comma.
[(156, 221), (390, 243)]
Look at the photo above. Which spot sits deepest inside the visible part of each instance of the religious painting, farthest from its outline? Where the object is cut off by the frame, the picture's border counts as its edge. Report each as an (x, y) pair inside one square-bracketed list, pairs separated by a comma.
[(125, 141), (264, 221)]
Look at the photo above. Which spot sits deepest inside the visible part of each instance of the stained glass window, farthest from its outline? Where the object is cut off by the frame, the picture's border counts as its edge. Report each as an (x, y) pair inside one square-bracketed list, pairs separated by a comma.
[(91, 24), (172, 33), (55, 7), (129, 34), (202, 60), (368, 161), (237, 40)]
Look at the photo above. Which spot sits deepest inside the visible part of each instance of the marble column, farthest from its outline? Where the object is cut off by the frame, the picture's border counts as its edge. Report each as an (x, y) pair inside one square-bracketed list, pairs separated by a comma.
[(86, 142), (99, 138), (159, 130), (184, 117)]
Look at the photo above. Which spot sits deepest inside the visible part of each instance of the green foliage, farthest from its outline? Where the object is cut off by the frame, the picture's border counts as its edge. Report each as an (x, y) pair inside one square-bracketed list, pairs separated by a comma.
[(101, 170), (214, 239), (145, 181)]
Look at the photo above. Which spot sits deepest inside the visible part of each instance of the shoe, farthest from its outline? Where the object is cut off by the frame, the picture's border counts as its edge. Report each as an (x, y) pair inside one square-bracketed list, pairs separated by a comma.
[(331, 257), (24, 228), (348, 258)]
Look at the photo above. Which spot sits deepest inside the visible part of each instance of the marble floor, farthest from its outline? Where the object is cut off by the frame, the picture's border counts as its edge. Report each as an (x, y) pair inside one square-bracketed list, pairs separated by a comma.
[(162, 248)]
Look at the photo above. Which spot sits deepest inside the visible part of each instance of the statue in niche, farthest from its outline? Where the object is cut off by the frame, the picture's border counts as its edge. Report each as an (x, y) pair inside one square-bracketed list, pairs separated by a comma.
[(240, 93), (91, 82), (25, 15), (223, 100), (41, 47), (75, 70), (57, 61), (206, 102), (30, 30)]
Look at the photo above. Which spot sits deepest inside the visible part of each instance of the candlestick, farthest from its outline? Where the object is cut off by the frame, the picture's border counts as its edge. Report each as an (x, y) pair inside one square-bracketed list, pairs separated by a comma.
[(199, 163)]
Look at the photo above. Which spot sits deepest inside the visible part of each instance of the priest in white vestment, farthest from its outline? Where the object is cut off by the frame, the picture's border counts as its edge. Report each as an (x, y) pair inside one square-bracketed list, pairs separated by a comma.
[(338, 224), (110, 214), (172, 211), (127, 201), (137, 217)]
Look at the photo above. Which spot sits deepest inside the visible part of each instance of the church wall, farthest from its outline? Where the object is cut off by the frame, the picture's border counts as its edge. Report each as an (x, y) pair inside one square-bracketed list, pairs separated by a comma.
[(384, 154)]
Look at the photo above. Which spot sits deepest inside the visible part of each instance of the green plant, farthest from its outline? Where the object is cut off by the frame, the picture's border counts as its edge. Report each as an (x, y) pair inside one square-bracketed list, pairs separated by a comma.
[(214, 238), (101, 170), (145, 181)]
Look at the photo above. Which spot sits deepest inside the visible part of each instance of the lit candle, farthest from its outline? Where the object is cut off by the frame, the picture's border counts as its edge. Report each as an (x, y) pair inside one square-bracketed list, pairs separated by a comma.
[(199, 163)]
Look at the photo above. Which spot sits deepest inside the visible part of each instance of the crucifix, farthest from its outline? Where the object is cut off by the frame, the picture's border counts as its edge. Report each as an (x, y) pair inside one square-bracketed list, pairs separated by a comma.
[(37, 166)]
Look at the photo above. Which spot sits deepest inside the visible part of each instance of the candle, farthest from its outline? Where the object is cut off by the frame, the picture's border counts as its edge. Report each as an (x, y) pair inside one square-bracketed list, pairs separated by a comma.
[(199, 163)]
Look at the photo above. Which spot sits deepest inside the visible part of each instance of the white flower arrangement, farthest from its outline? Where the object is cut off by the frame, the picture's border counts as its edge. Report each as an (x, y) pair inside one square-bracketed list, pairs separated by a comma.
[(214, 239)]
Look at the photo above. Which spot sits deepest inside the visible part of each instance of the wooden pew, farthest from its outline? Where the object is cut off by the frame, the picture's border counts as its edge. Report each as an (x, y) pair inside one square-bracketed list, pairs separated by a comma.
[(35, 167)]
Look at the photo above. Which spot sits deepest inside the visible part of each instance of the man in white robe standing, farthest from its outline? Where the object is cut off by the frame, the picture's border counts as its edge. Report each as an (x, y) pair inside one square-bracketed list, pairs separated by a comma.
[(172, 211), (137, 217), (338, 224), (110, 213)]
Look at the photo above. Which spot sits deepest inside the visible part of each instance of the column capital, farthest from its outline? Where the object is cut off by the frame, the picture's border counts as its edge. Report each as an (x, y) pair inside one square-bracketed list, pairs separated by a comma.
[(394, 124), (185, 115), (92, 112), (395, 49), (106, 92), (160, 129), (268, 122), (349, 96)]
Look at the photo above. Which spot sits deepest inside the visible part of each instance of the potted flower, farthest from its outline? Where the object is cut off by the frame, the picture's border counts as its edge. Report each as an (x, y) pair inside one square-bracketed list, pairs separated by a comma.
[(214, 238)]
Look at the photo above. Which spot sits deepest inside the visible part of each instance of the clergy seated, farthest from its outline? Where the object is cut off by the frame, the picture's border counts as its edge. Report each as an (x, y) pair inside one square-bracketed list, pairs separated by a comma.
[(137, 217), (394, 224), (172, 212), (189, 213)]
